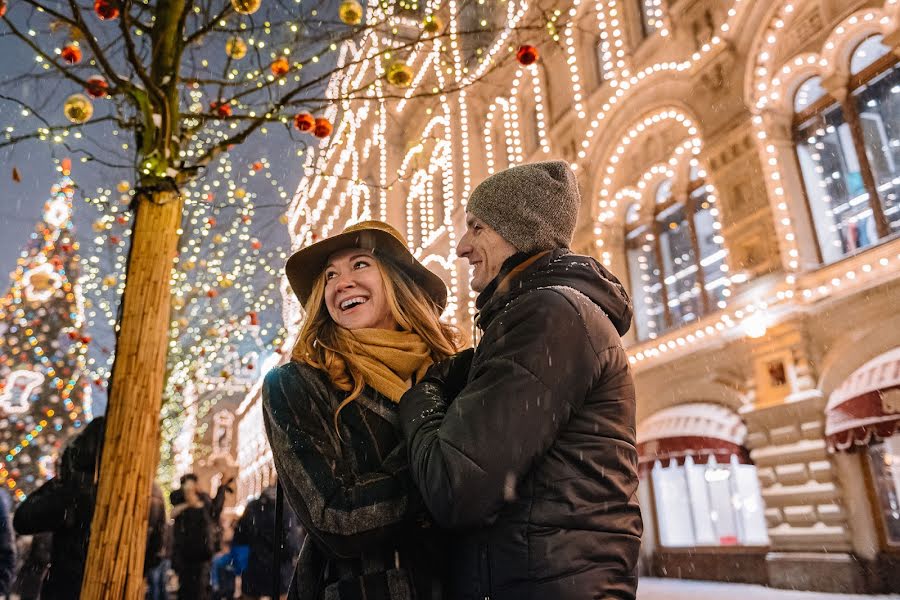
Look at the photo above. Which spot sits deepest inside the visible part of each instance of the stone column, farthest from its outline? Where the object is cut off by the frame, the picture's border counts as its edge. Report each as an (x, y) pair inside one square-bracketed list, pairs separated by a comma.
[(809, 533)]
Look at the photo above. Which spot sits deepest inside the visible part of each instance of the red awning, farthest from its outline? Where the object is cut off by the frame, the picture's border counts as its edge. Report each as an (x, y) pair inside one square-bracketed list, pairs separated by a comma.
[(697, 429), (866, 405)]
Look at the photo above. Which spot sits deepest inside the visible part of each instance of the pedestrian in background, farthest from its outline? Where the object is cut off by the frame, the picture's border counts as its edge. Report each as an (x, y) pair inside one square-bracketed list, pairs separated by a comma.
[(257, 529), (64, 506)]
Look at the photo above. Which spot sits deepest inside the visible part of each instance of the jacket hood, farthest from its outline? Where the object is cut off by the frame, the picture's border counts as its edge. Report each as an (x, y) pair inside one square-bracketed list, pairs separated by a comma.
[(557, 268)]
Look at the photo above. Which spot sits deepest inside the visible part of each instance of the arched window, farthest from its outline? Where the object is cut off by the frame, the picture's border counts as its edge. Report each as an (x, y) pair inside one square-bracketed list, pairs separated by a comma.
[(849, 153), (677, 260)]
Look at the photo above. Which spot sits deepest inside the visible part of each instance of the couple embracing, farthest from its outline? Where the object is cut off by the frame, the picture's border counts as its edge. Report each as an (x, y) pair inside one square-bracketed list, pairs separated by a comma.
[(507, 471)]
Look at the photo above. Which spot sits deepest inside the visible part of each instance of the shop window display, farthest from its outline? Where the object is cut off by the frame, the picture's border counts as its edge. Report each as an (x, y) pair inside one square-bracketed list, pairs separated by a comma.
[(884, 461), (708, 504)]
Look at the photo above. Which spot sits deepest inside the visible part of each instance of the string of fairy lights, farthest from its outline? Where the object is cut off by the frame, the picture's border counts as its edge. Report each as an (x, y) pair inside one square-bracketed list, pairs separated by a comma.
[(507, 118)]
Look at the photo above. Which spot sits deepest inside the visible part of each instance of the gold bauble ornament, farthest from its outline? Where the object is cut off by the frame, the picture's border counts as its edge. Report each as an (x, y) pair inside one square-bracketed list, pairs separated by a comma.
[(78, 108), (99, 225), (236, 48), (283, 219), (123, 187), (246, 7), (240, 193), (109, 280), (400, 74), (432, 24), (350, 12), (226, 282), (218, 239), (183, 323)]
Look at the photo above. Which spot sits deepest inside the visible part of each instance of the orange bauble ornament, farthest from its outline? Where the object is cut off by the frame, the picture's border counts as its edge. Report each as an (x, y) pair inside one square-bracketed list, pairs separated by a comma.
[(2, 8), (97, 87), (280, 67), (527, 55), (106, 10), (304, 122), (323, 128), (246, 7), (71, 54), (222, 109)]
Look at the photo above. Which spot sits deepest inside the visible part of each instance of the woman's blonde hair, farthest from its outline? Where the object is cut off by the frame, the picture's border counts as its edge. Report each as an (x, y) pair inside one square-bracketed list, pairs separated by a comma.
[(325, 345)]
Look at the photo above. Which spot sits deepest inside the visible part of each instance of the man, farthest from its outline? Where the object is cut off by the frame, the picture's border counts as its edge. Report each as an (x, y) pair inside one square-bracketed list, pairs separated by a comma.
[(526, 446), (195, 537)]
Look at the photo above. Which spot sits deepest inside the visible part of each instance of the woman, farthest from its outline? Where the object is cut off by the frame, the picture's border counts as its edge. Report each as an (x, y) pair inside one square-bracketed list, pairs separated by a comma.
[(371, 329)]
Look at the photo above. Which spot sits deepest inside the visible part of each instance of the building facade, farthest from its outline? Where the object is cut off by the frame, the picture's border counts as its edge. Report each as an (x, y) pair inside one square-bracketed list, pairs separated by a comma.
[(739, 163)]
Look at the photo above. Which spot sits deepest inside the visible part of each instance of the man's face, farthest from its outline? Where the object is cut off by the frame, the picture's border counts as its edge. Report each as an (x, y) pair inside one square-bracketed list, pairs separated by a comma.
[(486, 251)]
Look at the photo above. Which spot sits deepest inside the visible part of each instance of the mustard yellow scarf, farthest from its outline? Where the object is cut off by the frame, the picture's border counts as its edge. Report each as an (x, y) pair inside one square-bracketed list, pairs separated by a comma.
[(388, 359)]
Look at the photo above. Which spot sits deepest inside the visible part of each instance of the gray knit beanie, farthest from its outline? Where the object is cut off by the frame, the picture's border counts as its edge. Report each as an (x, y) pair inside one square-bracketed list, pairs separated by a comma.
[(534, 207)]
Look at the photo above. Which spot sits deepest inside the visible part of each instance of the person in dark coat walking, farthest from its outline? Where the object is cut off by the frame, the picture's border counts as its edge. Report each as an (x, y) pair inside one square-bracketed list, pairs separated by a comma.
[(526, 446), (194, 537), (7, 546), (331, 416), (34, 567), (64, 506), (256, 528)]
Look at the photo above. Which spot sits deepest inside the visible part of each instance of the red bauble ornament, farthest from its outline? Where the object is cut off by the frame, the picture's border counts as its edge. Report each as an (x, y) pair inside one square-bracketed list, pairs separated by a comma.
[(106, 10), (85, 339), (222, 109), (304, 122), (254, 317), (257, 166), (97, 87), (255, 244), (2, 8), (212, 293), (211, 221), (527, 55), (121, 219), (114, 239), (323, 128), (280, 67), (71, 54)]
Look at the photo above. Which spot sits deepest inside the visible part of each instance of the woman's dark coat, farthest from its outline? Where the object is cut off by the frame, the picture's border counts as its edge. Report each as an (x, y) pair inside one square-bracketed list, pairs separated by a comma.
[(534, 463), (367, 533), (256, 529)]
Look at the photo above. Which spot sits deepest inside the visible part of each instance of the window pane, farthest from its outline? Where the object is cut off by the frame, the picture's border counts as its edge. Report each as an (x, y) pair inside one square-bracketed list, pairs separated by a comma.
[(750, 506), (664, 191), (722, 513), (704, 531), (885, 460), (673, 511), (679, 265), (837, 199), (711, 242), (870, 50), (878, 104), (646, 284)]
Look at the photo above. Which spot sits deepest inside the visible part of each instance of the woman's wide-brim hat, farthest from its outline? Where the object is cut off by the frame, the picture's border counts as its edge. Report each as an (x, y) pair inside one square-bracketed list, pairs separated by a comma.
[(305, 265)]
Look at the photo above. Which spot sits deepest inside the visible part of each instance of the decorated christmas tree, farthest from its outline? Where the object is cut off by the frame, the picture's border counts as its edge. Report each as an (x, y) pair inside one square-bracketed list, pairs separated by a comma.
[(44, 398)]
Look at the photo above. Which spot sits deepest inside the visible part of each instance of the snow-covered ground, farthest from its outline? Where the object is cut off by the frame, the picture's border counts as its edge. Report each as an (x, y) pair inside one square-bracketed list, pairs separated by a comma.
[(681, 589)]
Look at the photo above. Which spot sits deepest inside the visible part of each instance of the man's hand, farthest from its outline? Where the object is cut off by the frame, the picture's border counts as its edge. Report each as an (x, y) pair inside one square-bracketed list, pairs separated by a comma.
[(451, 374)]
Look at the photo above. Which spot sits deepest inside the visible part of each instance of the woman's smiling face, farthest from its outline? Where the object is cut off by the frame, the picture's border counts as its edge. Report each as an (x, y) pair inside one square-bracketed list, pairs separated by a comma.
[(354, 291)]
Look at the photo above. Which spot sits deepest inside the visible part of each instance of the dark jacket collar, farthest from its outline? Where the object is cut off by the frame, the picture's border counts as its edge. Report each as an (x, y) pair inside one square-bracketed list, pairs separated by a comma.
[(558, 268)]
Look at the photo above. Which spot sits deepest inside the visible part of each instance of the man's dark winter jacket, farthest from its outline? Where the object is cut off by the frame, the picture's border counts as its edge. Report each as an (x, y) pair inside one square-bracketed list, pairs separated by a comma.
[(534, 462)]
